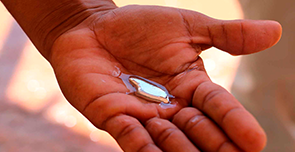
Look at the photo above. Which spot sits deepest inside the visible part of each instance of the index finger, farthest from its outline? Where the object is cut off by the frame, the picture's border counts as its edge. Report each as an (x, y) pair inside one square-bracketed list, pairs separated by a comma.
[(130, 134), (228, 113)]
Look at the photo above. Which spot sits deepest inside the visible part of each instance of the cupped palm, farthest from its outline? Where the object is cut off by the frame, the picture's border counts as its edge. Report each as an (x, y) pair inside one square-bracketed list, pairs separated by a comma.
[(161, 44)]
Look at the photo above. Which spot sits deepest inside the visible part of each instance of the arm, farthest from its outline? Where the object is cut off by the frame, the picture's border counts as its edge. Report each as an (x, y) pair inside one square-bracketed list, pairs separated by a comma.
[(45, 20)]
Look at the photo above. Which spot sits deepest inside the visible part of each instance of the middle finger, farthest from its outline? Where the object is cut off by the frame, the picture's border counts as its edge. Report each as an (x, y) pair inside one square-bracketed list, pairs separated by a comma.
[(168, 137), (202, 131)]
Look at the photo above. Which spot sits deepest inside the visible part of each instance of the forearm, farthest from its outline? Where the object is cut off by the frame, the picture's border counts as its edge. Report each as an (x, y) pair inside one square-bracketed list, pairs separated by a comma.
[(45, 20)]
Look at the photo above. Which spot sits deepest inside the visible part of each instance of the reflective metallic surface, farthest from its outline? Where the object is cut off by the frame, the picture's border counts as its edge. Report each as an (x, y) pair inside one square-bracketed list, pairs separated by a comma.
[(149, 91)]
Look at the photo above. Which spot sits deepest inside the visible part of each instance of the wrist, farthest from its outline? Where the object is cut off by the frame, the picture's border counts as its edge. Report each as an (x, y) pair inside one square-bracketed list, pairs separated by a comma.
[(44, 21)]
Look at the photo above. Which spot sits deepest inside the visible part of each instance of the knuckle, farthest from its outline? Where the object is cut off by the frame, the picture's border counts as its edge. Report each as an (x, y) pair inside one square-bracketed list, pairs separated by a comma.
[(188, 110), (128, 129), (166, 134), (227, 113), (153, 122), (194, 121)]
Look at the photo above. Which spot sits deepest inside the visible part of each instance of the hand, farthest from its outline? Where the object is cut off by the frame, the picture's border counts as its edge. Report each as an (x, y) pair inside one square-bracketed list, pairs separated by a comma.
[(161, 44)]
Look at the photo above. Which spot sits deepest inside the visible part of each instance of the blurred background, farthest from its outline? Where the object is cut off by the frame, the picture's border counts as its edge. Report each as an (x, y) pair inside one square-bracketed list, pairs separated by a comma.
[(34, 115)]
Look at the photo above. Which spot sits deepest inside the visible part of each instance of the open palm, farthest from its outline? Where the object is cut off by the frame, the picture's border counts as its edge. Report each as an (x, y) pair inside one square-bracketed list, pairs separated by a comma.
[(163, 45)]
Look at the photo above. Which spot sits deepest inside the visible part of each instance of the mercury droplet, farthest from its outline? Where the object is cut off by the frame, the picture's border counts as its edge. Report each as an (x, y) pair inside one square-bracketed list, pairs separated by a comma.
[(149, 91)]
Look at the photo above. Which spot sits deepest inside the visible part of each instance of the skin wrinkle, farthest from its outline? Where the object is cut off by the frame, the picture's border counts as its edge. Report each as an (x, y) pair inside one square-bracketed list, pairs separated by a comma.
[(159, 74), (116, 58), (168, 85), (104, 31), (228, 112), (186, 24), (116, 34), (113, 57), (96, 98), (167, 78), (103, 124), (243, 38), (186, 66), (176, 71), (145, 146), (158, 71), (198, 122), (210, 35), (179, 40), (113, 116), (222, 144), (129, 128), (70, 27), (161, 47), (113, 12), (197, 89), (88, 11), (210, 96), (162, 115), (135, 43), (197, 47), (56, 10), (165, 134), (183, 73), (225, 33), (189, 125), (189, 101), (47, 45)]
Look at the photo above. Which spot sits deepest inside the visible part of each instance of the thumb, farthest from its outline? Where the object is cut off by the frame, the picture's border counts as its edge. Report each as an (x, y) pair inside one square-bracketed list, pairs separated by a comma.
[(239, 37), (236, 37)]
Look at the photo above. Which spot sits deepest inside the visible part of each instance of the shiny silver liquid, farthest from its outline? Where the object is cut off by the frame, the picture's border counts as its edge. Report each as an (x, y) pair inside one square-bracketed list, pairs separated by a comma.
[(146, 89)]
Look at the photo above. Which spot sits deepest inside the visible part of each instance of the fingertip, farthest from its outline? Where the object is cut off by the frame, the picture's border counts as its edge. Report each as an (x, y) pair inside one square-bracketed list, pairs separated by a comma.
[(248, 134), (240, 37), (260, 35), (257, 141), (276, 29), (168, 137), (262, 141)]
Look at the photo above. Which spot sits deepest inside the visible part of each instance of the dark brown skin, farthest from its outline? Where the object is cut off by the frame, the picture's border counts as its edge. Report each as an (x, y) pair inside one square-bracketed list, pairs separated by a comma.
[(161, 44)]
